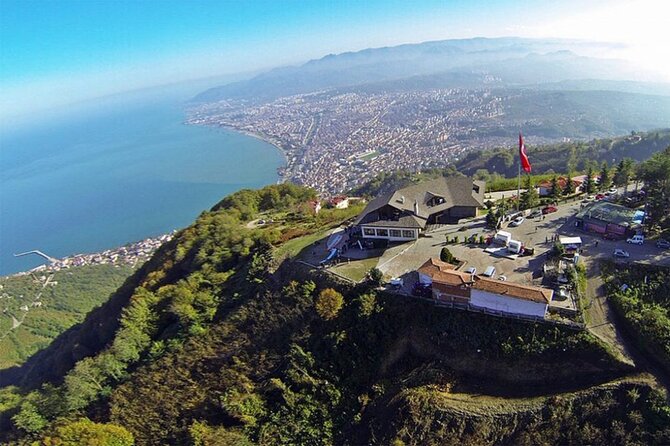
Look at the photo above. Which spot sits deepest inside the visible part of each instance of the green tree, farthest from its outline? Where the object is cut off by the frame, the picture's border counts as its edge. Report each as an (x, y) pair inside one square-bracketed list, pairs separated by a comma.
[(555, 189), (605, 177), (589, 186), (447, 256), (530, 197), (623, 173), (366, 305), (29, 418), (375, 275), (655, 172), (569, 185), (329, 303), (85, 432)]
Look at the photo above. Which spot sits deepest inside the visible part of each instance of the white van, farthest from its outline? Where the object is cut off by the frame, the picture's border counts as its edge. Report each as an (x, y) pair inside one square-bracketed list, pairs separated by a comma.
[(489, 272)]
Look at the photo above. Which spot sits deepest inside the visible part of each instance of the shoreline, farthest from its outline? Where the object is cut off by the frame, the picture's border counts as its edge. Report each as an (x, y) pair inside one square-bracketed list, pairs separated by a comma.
[(282, 177), (128, 254)]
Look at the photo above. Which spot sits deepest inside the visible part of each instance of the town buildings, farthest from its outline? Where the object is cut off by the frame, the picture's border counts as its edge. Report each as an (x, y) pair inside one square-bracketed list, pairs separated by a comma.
[(403, 214), (609, 219)]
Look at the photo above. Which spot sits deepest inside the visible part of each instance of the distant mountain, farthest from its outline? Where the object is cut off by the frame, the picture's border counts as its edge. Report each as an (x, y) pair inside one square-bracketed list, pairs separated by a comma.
[(508, 61)]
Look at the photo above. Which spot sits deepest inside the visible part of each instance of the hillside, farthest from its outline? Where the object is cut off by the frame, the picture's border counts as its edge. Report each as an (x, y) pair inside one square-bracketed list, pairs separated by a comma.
[(546, 159), (35, 311), (222, 338)]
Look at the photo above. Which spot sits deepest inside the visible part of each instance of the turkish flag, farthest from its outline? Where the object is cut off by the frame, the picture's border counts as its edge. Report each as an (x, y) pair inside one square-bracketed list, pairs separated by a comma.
[(525, 164)]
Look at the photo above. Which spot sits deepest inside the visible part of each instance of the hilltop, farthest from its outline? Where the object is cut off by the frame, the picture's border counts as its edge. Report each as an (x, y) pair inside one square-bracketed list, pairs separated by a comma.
[(223, 337)]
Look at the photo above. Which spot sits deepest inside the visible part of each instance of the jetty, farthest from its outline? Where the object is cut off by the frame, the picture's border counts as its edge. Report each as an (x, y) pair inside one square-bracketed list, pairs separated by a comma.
[(39, 253)]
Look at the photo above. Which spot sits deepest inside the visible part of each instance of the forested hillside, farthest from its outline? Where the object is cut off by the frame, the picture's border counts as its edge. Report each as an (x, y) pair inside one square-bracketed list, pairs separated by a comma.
[(495, 166), (220, 340)]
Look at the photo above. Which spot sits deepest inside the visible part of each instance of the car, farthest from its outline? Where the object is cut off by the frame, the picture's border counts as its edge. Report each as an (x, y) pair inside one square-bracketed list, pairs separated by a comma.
[(502, 278), (562, 293), (613, 190), (517, 221), (591, 197), (618, 252), (489, 272), (535, 214), (396, 282), (422, 289), (636, 239), (549, 209), (600, 196), (471, 270), (663, 244)]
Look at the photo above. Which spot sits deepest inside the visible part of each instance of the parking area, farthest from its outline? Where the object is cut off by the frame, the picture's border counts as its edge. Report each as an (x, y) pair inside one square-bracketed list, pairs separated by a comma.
[(537, 233)]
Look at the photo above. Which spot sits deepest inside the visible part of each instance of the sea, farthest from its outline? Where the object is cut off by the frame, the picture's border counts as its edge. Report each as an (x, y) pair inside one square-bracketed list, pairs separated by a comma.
[(117, 170)]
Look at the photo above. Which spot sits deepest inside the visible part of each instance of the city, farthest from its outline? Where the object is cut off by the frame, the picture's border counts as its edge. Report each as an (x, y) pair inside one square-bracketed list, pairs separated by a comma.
[(335, 141)]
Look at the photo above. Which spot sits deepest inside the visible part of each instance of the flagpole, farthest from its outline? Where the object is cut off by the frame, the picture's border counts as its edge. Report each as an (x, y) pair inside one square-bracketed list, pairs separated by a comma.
[(518, 185)]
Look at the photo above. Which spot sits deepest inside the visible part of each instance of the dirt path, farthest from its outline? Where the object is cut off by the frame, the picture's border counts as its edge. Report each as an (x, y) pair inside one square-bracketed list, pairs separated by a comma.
[(600, 320)]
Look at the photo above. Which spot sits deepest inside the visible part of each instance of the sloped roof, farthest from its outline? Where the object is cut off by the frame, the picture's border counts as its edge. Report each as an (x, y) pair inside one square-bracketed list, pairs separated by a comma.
[(456, 191), (442, 272), (515, 290)]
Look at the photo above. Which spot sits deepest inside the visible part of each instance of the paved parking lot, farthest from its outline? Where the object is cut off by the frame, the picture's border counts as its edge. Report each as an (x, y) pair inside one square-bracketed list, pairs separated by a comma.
[(401, 259)]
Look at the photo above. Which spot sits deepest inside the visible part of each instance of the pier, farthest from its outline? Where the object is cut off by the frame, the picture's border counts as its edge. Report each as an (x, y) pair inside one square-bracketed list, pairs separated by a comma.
[(39, 253)]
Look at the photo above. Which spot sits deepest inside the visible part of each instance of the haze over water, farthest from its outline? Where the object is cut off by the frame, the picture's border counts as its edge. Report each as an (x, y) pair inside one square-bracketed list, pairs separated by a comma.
[(117, 171)]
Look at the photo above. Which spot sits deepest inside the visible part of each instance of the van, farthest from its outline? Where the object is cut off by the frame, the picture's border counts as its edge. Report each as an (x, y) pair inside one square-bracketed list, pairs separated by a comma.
[(489, 272)]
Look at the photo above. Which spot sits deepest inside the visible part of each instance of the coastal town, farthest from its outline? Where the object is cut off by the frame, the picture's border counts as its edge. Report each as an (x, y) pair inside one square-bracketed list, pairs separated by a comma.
[(131, 254), (336, 140)]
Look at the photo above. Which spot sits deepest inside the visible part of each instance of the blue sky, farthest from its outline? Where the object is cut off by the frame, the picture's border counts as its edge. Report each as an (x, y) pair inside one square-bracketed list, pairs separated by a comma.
[(55, 52)]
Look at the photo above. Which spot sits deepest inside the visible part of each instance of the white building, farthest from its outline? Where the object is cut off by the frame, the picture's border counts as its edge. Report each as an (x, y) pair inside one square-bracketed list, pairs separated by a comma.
[(511, 298)]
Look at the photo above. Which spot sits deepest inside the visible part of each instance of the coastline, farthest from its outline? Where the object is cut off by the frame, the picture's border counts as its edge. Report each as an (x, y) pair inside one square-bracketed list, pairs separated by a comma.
[(281, 171)]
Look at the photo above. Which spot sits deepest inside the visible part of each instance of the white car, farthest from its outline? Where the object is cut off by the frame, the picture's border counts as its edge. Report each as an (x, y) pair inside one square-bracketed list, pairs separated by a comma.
[(396, 282), (517, 221), (613, 190), (636, 239), (618, 252), (471, 270)]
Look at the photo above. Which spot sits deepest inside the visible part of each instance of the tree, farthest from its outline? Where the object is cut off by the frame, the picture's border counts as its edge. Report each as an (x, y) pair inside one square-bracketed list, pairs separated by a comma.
[(29, 418), (605, 179), (447, 256), (86, 432), (529, 198), (555, 189), (655, 172), (366, 305), (623, 173), (375, 275), (329, 303), (569, 185), (589, 186)]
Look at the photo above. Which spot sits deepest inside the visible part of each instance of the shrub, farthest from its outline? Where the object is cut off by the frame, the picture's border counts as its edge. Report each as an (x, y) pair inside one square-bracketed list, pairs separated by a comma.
[(447, 256), (375, 276)]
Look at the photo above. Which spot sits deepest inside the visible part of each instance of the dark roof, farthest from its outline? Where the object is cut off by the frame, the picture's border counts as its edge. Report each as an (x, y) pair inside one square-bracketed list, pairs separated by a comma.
[(455, 191), (405, 221)]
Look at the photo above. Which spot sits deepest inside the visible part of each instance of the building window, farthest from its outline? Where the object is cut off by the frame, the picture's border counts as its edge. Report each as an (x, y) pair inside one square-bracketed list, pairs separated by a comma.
[(368, 231), (396, 233), (408, 234), (382, 232)]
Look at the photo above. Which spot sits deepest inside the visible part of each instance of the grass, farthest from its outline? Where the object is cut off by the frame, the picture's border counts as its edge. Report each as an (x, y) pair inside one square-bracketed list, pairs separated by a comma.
[(76, 292), (357, 269), (293, 247)]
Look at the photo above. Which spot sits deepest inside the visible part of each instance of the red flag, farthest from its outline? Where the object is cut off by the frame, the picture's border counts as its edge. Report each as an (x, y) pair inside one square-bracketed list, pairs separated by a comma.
[(525, 164)]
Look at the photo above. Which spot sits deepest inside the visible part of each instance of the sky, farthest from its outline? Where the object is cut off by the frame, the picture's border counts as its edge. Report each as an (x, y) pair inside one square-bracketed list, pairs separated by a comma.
[(58, 52)]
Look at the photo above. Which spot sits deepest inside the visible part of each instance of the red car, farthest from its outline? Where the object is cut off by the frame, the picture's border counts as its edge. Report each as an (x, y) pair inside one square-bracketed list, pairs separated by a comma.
[(549, 209), (600, 196)]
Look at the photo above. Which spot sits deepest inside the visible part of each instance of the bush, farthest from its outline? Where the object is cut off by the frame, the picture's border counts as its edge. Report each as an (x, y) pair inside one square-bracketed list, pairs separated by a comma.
[(375, 276), (329, 303), (447, 256)]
